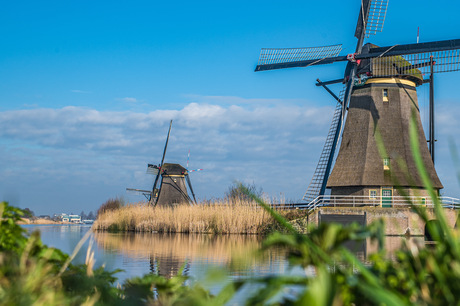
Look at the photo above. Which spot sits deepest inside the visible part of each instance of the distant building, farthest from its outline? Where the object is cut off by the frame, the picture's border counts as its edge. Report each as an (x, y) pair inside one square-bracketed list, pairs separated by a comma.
[(75, 218), (70, 218)]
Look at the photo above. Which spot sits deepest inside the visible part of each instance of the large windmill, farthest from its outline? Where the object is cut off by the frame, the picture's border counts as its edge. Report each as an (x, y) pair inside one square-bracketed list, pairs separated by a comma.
[(173, 188), (379, 98)]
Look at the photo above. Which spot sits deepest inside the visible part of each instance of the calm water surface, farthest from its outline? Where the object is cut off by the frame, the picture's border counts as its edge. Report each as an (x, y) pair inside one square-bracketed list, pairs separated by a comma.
[(141, 253)]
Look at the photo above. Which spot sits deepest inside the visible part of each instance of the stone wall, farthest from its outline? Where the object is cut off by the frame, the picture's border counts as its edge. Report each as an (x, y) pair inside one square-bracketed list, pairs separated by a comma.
[(398, 221)]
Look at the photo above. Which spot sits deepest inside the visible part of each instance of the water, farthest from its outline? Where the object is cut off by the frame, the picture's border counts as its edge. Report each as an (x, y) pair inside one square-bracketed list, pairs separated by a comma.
[(141, 253)]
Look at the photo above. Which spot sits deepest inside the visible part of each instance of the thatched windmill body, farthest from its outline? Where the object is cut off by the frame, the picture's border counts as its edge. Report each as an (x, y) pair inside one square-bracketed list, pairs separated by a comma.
[(172, 180), (378, 100)]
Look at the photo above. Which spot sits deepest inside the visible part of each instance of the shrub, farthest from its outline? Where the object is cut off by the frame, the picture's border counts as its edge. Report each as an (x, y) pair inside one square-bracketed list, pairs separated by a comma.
[(236, 192), (109, 205)]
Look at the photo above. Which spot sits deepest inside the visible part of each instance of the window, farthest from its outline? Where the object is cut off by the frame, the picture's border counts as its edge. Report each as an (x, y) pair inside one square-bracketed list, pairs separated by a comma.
[(385, 95), (372, 194), (386, 163), (386, 193)]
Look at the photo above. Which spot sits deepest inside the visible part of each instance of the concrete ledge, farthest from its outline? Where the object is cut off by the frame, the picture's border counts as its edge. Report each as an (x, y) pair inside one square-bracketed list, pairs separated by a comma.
[(398, 221)]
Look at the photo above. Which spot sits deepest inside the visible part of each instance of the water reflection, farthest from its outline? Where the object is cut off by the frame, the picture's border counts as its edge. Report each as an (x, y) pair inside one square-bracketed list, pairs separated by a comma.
[(167, 253), (141, 253)]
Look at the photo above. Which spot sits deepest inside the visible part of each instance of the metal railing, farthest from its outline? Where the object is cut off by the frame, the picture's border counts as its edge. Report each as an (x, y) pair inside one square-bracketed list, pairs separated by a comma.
[(377, 201)]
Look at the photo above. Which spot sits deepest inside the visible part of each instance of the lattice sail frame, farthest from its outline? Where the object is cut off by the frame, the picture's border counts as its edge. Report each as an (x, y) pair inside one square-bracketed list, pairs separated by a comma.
[(376, 17), (151, 169), (283, 55), (416, 65), (313, 190)]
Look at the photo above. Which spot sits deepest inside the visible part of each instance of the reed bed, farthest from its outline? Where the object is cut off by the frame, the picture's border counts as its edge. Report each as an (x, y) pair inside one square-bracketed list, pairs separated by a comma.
[(236, 217)]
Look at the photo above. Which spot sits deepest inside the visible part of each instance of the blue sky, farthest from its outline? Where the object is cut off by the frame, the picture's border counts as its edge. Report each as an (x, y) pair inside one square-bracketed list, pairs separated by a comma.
[(87, 90)]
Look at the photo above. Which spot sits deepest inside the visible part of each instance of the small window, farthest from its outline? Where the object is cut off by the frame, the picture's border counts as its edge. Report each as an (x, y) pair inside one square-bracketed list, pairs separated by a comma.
[(373, 194), (386, 193), (385, 95), (386, 163)]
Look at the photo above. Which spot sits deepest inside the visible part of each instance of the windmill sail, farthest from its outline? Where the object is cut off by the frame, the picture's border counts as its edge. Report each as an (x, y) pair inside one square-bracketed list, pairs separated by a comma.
[(190, 186), (416, 64), (152, 169), (318, 182), (376, 17), (153, 198), (278, 58)]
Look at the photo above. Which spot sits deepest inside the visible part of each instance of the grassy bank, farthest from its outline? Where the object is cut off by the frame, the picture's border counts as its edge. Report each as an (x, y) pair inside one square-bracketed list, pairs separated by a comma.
[(40, 221), (240, 217)]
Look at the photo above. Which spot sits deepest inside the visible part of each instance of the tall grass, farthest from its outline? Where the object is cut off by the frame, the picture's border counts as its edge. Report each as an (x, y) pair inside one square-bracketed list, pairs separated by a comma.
[(239, 217)]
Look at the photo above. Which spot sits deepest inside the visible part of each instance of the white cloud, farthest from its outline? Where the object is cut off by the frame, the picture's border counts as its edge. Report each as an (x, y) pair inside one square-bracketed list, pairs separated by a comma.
[(128, 100), (104, 151), (94, 155)]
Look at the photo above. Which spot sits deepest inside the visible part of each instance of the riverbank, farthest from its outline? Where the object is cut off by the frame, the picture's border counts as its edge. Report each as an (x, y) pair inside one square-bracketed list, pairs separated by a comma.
[(40, 221), (241, 217)]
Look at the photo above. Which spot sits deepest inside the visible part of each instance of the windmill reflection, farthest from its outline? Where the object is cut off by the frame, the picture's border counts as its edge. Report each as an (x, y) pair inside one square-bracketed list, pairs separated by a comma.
[(166, 254), (167, 266)]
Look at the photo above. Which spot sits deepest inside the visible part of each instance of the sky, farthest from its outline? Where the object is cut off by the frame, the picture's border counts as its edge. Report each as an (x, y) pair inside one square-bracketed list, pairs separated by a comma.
[(87, 90)]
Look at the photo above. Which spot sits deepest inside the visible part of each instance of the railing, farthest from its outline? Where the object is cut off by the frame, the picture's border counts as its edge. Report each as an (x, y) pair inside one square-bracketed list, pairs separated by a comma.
[(366, 201), (378, 201)]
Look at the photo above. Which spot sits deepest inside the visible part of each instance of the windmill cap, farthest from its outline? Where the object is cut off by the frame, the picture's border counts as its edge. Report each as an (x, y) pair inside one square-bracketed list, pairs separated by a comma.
[(173, 169), (388, 67)]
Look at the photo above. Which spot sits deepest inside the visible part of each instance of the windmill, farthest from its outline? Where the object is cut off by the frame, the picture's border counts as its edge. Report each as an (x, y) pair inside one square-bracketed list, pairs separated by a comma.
[(172, 188), (379, 96)]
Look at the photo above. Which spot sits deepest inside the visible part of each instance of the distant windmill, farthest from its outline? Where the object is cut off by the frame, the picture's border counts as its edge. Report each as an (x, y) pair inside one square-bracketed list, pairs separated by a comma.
[(172, 188), (379, 97)]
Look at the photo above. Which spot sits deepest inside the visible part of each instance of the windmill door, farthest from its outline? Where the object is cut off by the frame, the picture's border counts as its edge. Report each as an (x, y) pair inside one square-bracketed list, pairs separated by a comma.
[(387, 194)]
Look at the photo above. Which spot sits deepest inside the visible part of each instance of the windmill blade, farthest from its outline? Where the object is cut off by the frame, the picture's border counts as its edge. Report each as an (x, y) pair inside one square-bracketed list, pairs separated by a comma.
[(146, 193), (376, 17), (188, 158), (278, 58), (166, 145), (161, 165), (317, 185), (195, 170), (416, 65), (190, 186), (138, 191), (371, 17), (152, 169), (428, 47), (362, 18)]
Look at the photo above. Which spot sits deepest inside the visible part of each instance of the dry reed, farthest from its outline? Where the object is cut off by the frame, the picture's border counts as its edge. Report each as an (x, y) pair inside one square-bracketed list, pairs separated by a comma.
[(238, 217)]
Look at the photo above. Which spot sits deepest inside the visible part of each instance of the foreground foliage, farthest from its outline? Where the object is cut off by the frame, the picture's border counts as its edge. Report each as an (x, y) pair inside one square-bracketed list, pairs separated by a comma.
[(32, 273)]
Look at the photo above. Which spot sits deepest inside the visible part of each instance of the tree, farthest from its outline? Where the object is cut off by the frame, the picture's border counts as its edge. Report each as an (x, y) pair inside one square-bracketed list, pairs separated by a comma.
[(83, 215), (28, 213), (91, 216)]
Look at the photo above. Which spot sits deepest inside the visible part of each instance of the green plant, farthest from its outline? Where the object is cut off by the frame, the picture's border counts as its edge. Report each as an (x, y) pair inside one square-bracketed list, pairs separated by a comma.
[(33, 274), (419, 275)]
